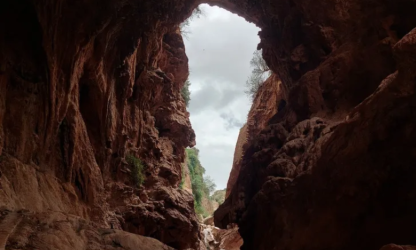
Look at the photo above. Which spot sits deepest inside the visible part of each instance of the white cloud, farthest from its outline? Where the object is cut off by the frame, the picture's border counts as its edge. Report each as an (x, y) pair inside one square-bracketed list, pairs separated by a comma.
[(219, 46)]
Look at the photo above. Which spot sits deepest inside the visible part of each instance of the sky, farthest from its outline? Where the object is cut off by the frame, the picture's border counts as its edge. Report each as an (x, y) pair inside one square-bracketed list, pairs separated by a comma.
[(219, 46)]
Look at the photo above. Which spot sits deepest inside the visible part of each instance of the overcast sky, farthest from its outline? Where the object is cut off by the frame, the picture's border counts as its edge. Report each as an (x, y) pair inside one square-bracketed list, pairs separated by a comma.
[(219, 46)]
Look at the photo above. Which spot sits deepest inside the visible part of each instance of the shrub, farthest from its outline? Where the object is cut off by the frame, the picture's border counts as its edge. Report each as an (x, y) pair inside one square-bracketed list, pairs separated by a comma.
[(186, 94), (219, 196), (209, 186), (137, 170), (196, 172), (197, 12), (183, 177), (258, 75)]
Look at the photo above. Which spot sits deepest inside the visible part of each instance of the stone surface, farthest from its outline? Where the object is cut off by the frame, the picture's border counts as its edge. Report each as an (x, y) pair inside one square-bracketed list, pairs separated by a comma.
[(85, 84), (268, 100), (221, 239), (333, 169), (54, 230), (83, 89), (187, 182)]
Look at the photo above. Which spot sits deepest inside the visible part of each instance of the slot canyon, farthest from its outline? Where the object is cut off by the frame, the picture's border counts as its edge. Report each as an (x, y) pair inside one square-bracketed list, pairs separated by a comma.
[(93, 128)]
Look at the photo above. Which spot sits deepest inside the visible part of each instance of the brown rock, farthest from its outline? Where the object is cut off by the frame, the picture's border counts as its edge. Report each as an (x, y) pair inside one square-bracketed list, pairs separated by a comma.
[(238, 156), (268, 100), (83, 89), (347, 173), (396, 247), (53, 230), (221, 239), (187, 183)]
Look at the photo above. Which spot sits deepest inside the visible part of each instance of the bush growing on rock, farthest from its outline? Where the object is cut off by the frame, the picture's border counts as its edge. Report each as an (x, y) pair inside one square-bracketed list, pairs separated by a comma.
[(137, 170), (186, 94), (258, 75)]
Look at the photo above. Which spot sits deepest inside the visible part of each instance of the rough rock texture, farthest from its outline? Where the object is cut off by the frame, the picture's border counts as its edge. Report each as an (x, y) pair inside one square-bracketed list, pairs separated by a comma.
[(85, 84), (209, 205), (334, 168), (187, 182), (54, 230), (221, 239), (396, 247), (83, 88), (270, 96), (238, 156)]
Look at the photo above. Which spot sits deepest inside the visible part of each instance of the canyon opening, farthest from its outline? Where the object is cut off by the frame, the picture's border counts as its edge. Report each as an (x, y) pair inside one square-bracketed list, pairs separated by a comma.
[(94, 127)]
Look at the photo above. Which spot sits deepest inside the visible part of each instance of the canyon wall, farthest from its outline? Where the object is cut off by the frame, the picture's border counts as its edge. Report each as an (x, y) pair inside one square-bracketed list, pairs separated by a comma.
[(269, 97), (333, 168), (89, 95), (93, 127)]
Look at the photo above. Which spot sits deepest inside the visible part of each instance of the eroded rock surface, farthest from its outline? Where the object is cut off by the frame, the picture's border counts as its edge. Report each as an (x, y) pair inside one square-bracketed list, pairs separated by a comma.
[(85, 84), (83, 87), (221, 239), (53, 230), (333, 169), (269, 98)]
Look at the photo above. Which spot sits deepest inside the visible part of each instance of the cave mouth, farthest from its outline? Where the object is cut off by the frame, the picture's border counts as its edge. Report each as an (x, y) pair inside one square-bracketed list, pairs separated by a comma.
[(219, 46)]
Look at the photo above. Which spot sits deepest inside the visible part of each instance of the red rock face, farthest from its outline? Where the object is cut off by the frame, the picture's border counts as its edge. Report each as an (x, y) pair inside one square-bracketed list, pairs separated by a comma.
[(333, 169), (83, 86), (238, 156), (266, 103)]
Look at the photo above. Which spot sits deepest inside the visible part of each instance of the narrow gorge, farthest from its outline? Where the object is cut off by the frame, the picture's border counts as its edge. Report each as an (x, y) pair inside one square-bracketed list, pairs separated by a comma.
[(93, 128)]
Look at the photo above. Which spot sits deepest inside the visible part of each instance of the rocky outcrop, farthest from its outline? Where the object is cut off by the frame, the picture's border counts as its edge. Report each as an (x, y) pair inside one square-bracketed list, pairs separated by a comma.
[(54, 230), (87, 85), (209, 205), (186, 178), (82, 90), (221, 239), (337, 158), (396, 247), (238, 156), (269, 98)]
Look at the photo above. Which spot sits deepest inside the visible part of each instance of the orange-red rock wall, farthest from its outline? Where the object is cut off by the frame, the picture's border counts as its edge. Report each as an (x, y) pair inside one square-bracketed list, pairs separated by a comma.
[(333, 168), (83, 86)]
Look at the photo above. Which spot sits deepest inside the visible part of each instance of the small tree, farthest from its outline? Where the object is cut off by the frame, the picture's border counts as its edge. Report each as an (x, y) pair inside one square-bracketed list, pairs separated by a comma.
[(137, 170), (209, 185), (197, 12), (258, 75), (186, 94)]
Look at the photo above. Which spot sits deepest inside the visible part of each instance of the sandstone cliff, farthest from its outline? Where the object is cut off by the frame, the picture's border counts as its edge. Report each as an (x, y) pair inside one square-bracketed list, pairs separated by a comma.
[(83, 87), (333, 168), (186, 177), (270, 96), (87, 85)]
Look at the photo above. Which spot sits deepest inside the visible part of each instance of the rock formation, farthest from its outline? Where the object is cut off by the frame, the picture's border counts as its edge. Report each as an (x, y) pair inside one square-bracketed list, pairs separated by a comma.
[(186, 177), (87, 85), (54, 230), (333, 168), (238, 156), (269, 97), (221, 239), (83, 87)]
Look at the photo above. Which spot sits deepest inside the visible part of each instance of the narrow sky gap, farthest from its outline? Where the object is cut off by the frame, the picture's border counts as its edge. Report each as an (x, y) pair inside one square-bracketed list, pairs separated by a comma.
[(219, 46)]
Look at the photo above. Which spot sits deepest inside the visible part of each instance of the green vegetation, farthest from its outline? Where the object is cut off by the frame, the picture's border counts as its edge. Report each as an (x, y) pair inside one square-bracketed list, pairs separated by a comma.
[(186, 94), (209, 185), (137, 170), (258, 75), (219, 196), (197, 12), (201, 187), (183, 177)]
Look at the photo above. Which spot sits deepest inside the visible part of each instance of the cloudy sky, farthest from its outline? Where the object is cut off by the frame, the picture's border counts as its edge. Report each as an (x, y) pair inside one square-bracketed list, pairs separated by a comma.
[(219, 46)]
